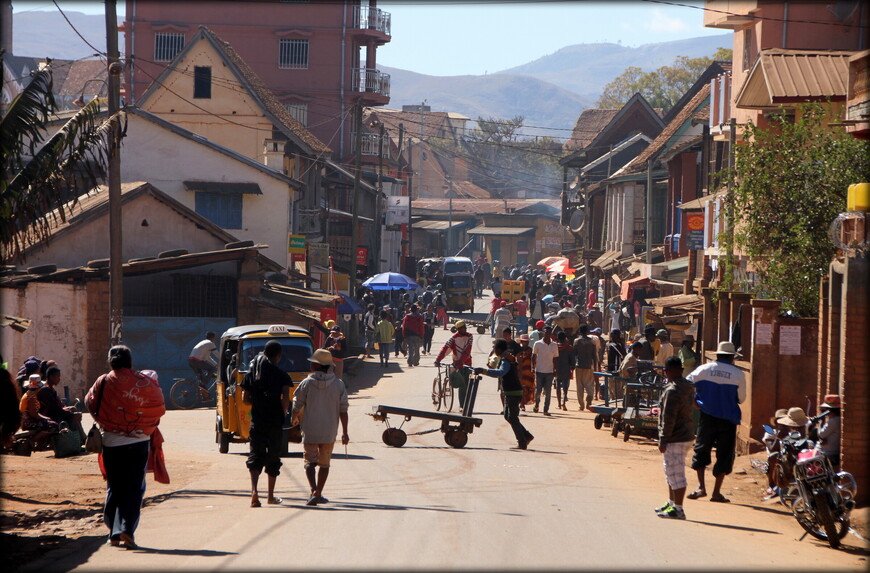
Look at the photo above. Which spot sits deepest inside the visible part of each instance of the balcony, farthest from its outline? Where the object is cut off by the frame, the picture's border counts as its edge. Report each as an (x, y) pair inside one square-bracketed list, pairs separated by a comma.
[(370, 20), (370, 143), (372, 82)]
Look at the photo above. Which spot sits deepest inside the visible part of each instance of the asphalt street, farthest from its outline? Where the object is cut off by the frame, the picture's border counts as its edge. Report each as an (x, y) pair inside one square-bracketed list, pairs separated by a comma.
[(577, 499)]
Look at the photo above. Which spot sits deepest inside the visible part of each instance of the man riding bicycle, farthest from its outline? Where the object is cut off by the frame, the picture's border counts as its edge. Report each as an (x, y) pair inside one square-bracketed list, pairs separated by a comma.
[(202, 360)]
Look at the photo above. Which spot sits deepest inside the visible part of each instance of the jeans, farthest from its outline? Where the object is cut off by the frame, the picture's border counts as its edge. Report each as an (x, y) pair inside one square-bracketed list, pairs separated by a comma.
[(523, 324), (370, 340), (413, 343), (427, 340), (543, 383), (384, 351), (512, 415), (202, 369), (125, 486)]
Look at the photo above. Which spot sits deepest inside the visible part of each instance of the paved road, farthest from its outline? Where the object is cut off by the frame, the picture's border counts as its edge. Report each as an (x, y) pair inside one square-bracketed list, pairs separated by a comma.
[(578, 499)]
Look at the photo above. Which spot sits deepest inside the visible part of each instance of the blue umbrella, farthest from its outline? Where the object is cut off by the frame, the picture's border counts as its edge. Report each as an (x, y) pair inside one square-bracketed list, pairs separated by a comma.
[(547, 298), (349, 306), (391, 281)]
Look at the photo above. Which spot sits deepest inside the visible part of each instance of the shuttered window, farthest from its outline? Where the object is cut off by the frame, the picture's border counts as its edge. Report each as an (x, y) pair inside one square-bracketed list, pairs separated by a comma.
[(202, 82), (299, 111), (222, 209), (167, 46), (293, 54)]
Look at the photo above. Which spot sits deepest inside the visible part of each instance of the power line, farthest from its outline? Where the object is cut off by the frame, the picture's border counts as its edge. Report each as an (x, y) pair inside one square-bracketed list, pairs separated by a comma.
[(754, 17), (76, 31)]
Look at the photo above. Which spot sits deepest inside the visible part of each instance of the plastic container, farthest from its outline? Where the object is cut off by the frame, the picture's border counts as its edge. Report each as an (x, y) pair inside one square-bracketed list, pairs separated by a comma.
[(858, 198)]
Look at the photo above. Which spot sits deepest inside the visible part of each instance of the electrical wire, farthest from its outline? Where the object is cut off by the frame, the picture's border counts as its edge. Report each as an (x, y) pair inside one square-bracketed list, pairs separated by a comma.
[(91, 46), (754, 17)]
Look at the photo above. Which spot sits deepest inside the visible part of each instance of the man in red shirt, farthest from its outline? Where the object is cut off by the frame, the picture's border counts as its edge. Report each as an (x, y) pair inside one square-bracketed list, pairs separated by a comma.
[(496, 304), (460, 347), (521, 307), (412, 333)]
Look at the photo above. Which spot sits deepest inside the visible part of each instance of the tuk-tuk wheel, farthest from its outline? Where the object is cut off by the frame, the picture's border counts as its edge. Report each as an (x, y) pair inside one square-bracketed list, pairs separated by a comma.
[(614, 431), (481, 330), (394, 437), (222, 438), (626, 434), (456, 438), (598, 421)]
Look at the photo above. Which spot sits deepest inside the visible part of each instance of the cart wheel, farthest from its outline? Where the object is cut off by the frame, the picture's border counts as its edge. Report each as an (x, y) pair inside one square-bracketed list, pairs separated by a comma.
[(614, 430), (598, 421), (481, 329), (456, 438), (394, 437), (626, 434)]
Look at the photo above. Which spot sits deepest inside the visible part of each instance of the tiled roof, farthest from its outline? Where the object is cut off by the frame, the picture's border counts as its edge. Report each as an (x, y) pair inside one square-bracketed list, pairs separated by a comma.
[(469, 189), (638, 164), (431, 122), (589, 124), (262, 92), (481, 206), (85, 76)]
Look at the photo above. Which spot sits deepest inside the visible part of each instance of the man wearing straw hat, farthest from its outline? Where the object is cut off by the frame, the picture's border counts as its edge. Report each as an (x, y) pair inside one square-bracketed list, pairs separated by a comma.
[(720, 388), (324, 398)]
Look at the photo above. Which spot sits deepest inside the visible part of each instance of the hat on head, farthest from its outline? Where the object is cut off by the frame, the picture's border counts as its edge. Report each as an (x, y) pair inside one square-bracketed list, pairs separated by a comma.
[(34, 380), (504, 303), (329, 323), (662, 332), (795, 418), (726, 347), (321, 356), (688, 338), (524, 337), (459, 324), (831, 401), (595, 331), (334, 328), (152, 375), (539, 324)]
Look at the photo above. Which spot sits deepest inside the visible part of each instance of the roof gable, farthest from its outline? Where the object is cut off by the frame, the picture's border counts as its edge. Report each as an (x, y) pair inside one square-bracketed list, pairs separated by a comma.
[(260, 95), (633, 117)]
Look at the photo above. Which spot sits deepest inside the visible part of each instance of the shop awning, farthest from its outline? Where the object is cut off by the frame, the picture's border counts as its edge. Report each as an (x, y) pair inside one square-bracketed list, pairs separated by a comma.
[(629, 285), (502, 231), (437, 225), (604, 260), (700, 202), (223, 187)]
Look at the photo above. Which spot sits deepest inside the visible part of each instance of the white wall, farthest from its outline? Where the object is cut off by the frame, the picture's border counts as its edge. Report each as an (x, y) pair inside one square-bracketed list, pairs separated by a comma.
[(58, 312), (165, 160)]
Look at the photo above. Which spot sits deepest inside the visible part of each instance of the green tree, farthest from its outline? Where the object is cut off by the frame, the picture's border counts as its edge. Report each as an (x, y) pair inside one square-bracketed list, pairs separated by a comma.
[(42, 174), (791, 181), (662, 87)]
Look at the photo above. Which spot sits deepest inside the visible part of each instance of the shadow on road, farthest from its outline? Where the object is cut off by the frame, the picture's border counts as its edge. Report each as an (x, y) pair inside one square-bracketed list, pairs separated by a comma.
[(737, 527), (352, 506), (184, 552), (66, 556), (777, 509)]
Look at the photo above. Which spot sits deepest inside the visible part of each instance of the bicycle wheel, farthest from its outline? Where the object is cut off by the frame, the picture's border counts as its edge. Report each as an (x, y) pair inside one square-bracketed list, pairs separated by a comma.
[(436, 391), (184, 395), (447, 397)]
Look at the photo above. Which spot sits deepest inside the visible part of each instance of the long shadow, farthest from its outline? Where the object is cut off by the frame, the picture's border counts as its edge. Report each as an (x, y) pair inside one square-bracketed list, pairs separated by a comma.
[(777, 509), (185, 552), (737, 527), (66, 557), (352, 506), (10, 497)]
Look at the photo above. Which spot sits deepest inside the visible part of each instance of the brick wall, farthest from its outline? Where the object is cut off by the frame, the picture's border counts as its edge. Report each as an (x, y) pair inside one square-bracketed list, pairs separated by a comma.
[(97, 325)]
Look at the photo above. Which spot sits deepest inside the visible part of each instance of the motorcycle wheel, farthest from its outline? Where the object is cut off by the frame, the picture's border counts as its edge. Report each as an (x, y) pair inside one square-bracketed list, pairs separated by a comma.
[(812, 524), (823, 511)]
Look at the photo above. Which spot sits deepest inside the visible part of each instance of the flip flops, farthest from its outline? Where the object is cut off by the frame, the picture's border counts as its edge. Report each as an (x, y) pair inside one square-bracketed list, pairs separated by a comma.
[(697, 494), (719, 498), (275, 501)]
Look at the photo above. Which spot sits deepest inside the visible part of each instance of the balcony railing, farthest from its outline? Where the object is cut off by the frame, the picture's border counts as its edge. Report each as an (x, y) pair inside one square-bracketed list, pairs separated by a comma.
[(370, 143), (367, 18), (371, 81)]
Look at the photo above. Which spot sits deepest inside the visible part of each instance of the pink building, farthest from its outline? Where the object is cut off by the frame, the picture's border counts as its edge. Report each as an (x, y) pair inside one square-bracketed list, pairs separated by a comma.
[(319, 58)]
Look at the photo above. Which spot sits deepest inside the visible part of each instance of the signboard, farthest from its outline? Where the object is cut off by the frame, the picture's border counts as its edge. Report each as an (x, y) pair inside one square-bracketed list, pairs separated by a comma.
[(296, 244), (362, 255), (398, 209), (695, 234), (790, 340), (553, 228), (297, 257), (318, 254), (552, 242)]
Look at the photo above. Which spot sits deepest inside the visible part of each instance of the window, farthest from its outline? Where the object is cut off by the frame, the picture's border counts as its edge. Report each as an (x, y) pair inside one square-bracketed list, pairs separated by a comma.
[(202, 82), (222, 209), (167, 46), (495, 249), (299, 111), (293, 54)]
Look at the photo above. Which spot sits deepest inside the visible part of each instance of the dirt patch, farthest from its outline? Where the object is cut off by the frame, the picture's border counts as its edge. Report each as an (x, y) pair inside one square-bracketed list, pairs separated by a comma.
[(48, 502)]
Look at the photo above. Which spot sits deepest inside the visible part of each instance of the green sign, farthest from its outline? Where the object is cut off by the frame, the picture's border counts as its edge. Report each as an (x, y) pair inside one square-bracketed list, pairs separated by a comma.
[(296, 244)]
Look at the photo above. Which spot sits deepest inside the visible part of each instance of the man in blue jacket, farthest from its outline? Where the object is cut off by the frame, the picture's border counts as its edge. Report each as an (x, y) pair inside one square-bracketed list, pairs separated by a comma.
[(720, 388)]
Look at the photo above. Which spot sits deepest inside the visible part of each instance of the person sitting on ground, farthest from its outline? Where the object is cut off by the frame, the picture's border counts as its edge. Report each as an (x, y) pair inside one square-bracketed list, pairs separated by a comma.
[(31, 421), (52, 408)]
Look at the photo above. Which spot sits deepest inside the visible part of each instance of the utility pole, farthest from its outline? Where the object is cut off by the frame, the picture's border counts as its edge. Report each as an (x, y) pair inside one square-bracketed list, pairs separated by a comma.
[(378, 227), (351, 284), (649, 183), (449, 216), (116, 269)]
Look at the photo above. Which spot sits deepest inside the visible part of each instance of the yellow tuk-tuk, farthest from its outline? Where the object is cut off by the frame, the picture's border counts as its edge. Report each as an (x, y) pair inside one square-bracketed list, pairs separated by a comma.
[(460, 292), (238, 346)]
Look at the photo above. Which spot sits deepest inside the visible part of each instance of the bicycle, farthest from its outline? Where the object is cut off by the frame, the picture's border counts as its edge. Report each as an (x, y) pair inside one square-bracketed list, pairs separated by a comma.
[(442, 390), (186, 395)]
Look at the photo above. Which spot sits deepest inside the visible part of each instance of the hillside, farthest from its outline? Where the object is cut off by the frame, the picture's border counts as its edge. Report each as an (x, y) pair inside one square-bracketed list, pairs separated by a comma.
[(586, 68)]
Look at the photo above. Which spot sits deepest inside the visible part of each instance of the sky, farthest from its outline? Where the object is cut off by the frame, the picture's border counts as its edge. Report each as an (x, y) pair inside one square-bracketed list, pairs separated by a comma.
[(457, 37)]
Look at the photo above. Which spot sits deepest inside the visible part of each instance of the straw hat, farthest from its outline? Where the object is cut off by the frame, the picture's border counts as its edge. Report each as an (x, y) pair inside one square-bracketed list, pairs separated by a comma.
[(322, 356), (726, 347), (831, 401), (34, 381), (795, 418)]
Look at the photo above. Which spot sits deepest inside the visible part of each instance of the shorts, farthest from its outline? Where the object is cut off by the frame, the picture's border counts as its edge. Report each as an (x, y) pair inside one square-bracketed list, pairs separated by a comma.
[(563, 383), (718, 433), (318, 454), (265, 450), (675, 463)]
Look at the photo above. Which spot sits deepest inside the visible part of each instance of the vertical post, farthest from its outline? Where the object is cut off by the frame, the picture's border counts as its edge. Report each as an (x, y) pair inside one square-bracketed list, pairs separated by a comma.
[(450, 217), (116, 278), (378, 226), (648, 222), (351, 283)]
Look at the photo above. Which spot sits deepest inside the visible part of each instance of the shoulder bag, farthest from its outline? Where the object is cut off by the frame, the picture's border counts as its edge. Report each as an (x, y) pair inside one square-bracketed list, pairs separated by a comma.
[(94, 441)]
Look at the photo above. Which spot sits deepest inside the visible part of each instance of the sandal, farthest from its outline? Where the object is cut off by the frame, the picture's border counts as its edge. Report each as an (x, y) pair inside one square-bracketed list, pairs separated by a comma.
[(719, 498), (697, 494)]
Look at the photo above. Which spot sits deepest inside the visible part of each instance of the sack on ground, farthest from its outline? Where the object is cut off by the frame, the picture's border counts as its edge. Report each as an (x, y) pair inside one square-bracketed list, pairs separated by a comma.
[(66, 443)]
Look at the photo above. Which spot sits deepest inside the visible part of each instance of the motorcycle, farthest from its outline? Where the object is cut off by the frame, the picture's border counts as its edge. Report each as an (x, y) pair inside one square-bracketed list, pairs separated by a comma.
[(824, 498)]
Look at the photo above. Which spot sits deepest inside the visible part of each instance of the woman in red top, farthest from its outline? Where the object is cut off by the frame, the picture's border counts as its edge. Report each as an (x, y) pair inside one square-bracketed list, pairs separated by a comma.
[(127, 406)]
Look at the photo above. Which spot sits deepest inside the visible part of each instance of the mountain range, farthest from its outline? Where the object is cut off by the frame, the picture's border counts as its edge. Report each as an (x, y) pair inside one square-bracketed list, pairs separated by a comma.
[(549, 92)]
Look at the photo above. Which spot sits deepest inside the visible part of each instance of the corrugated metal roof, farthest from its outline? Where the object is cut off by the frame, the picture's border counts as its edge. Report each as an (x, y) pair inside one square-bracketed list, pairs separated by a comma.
[(510, 231), (436, 225), (223, 187), (784, 76)]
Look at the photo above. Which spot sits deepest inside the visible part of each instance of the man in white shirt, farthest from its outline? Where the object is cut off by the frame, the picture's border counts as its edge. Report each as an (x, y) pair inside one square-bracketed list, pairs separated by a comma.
[(544, 355), (201, 359), (666, 350)]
